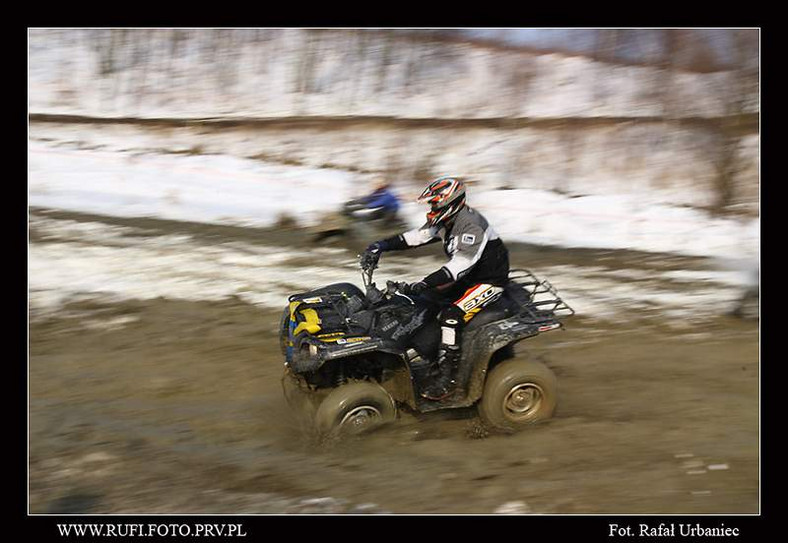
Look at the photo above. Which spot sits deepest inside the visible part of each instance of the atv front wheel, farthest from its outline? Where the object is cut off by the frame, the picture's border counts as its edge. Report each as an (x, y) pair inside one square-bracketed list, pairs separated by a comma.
[(518, 393), (354, 408), (301, 401)]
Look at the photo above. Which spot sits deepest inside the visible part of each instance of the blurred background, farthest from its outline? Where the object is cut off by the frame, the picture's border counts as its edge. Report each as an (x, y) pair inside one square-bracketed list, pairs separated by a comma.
[(648, 116), (182, 182)]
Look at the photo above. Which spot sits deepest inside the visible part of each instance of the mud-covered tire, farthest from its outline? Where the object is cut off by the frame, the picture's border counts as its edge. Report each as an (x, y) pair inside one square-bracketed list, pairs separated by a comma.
[(518, 393), (354, 408), (301, 402)]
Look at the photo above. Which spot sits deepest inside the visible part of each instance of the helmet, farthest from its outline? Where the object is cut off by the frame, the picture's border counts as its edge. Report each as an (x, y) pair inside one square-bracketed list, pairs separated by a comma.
[(380, 183), (446, 196)]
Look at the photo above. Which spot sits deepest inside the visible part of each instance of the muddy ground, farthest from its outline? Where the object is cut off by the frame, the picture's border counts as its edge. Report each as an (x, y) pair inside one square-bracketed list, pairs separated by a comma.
[(172, 405)]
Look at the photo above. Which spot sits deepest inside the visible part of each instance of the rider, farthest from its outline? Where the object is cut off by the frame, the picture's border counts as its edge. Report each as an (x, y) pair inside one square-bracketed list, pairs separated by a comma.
[(472, 279), (382, 203)]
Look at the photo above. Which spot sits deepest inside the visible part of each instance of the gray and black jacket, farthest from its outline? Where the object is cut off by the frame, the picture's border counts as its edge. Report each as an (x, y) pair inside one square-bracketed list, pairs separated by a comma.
[(476, 252)]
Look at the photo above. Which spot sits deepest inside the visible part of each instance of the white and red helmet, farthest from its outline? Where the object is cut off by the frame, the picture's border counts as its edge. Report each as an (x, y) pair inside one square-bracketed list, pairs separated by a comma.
[(445, 196)]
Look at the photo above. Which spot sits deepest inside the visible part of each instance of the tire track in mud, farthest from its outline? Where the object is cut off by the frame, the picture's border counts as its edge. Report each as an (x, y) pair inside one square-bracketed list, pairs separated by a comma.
[(198, 411)]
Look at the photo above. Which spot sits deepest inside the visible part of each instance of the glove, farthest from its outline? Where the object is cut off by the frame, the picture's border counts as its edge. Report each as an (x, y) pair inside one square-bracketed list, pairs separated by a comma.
[(414, 289), (372, 254), (376, 248)]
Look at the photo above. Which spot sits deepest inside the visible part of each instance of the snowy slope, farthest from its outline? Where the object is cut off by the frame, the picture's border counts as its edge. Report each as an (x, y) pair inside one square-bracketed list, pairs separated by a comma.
[(229, 190)]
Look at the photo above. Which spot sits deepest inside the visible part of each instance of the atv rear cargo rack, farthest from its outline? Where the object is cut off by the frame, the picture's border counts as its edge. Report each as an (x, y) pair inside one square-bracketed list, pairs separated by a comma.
[(538, 297)]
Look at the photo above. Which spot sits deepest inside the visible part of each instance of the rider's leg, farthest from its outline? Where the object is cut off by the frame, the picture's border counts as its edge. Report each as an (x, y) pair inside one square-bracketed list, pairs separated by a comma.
[(452, 320), (444, 369)]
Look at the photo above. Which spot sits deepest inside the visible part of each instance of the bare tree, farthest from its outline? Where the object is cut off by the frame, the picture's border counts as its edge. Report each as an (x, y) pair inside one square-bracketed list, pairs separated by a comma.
[(388, 45), (742, 90), (688, 49)]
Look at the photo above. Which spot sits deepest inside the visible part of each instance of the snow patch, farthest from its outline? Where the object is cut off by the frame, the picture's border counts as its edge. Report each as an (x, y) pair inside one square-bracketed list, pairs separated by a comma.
[(229, 190)]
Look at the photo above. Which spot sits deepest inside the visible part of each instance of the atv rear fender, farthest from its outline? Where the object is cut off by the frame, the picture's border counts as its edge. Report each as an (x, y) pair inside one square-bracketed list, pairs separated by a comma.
[(491, 344)]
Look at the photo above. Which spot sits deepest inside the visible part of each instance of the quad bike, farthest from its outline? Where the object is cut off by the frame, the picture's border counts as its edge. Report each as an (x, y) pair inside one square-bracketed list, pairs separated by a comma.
[(349, 223), (352, 357)]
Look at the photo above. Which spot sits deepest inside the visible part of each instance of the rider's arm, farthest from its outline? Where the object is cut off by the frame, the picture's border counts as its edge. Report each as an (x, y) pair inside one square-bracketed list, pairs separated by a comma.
[(406, 240), (412, 238)]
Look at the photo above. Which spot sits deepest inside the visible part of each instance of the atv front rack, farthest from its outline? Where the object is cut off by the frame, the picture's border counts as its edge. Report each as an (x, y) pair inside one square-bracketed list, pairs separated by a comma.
[(537, 297)]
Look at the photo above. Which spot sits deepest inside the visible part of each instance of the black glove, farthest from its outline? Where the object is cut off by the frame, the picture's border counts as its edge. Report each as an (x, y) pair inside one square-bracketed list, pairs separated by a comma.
[(414, 289), (371, 255), (377, 247)]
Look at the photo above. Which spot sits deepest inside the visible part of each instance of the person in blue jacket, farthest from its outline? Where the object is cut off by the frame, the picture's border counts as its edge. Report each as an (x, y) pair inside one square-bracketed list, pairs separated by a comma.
[(382, 203)]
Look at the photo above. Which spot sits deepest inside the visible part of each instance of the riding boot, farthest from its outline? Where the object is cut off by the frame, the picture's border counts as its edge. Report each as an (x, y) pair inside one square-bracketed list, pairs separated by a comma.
[(442, 383), (421, 369)]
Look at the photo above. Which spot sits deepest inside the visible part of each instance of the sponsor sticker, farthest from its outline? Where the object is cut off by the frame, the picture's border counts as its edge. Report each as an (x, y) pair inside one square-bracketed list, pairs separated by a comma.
[(468, 239), (389, 326), (480, 298), (516, 327), (351, 340)]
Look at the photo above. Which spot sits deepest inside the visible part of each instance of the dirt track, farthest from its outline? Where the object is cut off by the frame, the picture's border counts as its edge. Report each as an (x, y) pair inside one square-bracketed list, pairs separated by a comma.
[(168, 405)]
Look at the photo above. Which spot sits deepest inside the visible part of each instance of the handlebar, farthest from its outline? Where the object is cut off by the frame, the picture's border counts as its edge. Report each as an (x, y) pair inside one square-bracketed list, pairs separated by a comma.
[(374, 294), (368, 266)]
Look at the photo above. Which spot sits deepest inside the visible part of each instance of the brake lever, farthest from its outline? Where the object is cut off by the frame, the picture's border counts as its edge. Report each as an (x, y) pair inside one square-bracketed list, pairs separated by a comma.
[(391, 288)]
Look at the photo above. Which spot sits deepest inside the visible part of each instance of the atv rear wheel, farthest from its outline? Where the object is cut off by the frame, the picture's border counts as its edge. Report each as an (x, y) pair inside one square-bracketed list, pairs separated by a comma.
[(518, 393), (354, 408)]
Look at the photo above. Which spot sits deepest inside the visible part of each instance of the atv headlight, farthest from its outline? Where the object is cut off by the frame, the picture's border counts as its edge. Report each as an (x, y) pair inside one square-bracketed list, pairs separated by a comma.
[(312, 349)]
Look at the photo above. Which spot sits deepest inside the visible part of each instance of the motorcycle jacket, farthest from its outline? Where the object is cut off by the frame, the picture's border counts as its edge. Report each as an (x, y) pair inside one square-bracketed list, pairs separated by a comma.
[(382, 199), (476, 252)]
